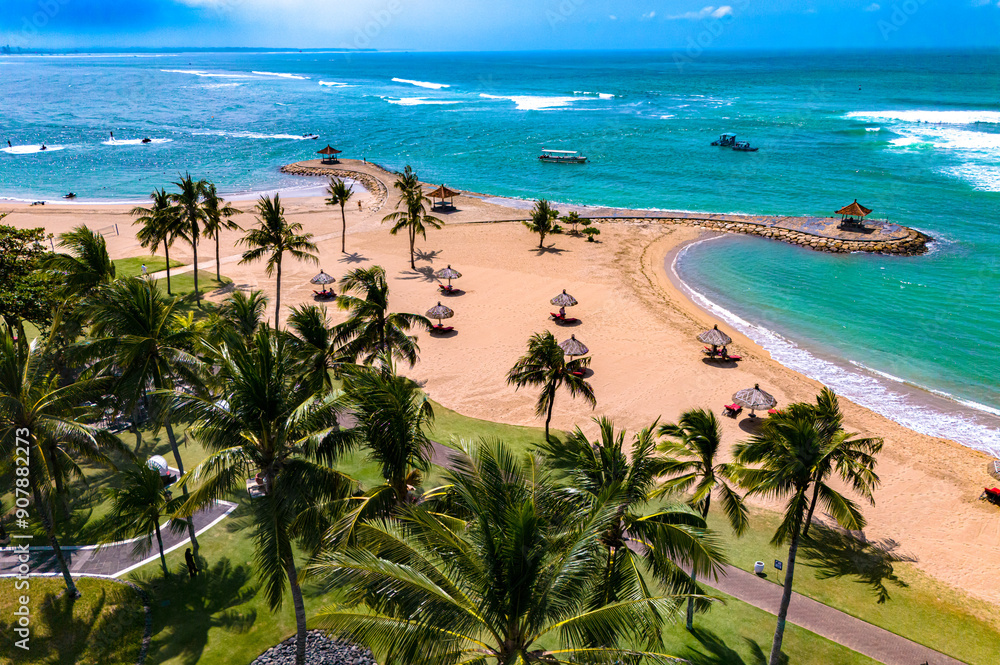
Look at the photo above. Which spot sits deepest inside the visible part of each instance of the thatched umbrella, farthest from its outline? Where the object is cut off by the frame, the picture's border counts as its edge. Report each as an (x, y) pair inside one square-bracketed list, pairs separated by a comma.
[(563, 300), (755, 398), (448, 273), (573, 347), (323, 278), (995, 469), (715, 337), (440, 312)]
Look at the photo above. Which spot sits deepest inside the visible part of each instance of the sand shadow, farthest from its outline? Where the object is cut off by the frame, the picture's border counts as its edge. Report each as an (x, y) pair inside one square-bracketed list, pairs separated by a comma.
[(751, 425), (426, 273), (353, 257), (567, 324), (551, 249), (451, 294), (443, 335), (724, 364), (421, 255)]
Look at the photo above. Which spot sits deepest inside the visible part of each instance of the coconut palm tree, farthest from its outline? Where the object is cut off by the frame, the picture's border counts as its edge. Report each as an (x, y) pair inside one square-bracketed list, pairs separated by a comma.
[(572, 218), (692, 448), (542, 222), (243, 312), (791, 453), (265, 425), (545, 365), (218, 217), (135, 334), (273, 238), (85, 266), (160, 225), (414, 218), (137, 506), (190, 217), (34, 410), (663, 537), (340, 194), (518, 573), (314, 343), (371, 331)]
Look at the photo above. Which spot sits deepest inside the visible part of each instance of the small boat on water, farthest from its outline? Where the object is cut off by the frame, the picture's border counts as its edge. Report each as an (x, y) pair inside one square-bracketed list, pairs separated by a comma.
[(725, 140), (562, 156), (310, 136), (744, 146)]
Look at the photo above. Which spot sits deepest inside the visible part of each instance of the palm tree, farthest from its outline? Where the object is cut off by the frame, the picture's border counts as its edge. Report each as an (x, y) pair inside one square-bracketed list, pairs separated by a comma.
[(693, 446), (34, 410), (340, 194), (86, 265), (371, 331), (218, 216), (665, 536), (314, 343), (190, 217), (572, 218), (415, 216), (792, 453), (243, 312), (135, 333), (428, 588), (266, 426), (545, 365), (137, 505), (273, 238), (160, 225), (543, 217)]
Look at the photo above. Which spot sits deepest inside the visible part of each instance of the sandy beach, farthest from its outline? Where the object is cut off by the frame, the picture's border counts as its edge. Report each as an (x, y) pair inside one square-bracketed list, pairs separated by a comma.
[(639, 327)]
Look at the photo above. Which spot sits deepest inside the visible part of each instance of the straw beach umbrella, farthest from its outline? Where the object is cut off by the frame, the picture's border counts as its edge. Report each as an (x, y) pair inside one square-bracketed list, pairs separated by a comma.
[(994, 469), (448, 273), (573, 347), (323, 279), (563, 300), (715, 337), (440, 312), (754, 399)]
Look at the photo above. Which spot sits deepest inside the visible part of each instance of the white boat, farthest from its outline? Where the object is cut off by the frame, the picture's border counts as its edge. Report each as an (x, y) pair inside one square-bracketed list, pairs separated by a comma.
[(562, 156)]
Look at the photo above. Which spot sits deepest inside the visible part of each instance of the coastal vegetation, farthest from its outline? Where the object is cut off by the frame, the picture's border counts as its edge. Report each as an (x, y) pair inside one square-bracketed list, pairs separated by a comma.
[(414, 218)]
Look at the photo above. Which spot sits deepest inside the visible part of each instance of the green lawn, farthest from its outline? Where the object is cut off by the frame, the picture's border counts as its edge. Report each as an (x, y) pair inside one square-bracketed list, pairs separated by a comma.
[(925, 611), (451, 427), (103, 627), (132, 266)]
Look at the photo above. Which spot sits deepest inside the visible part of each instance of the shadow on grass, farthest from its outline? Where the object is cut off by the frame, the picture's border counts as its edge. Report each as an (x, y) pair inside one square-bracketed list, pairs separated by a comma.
[(835, 553), (185, 609), (714, 651)]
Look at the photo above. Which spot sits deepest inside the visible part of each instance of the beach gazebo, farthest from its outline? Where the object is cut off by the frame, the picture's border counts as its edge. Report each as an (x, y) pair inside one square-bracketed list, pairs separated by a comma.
[(448, 273), (755, 399), (563, 300), (715, 337), (443, 193), (323, 279), (440, 312), (853, 214), (329, 154), (573, 347)]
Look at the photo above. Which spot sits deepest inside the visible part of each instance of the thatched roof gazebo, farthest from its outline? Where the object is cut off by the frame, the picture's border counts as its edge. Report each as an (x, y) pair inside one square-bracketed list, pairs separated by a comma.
[(440, 312), (851, 215), (715, 337), (573, 347), (329, 154), (448, 273), (755, 399), (563, 300), (443, 193), (323, 278)]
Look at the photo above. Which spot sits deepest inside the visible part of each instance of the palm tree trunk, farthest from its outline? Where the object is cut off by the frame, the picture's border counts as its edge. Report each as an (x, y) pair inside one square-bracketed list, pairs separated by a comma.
[(786, 597), (166, 251), (541, 239), (694, 578), (180, 469), (812, 507), (218, 268), (277, 297), (159, 541), (548, 415), (300, 613), (343, 229), (197, 294), (413, 241), (54, 542), (135, 427)]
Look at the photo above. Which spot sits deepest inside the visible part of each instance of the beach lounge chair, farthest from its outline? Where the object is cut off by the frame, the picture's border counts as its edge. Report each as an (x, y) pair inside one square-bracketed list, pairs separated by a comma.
[(447, 288), (732, 410), (438, 328), (726, 356), (562, 318), (991, 494)]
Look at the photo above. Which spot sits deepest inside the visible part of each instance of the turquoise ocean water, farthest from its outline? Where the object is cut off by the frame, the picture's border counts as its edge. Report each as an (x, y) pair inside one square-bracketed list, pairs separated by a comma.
[(916, 136)]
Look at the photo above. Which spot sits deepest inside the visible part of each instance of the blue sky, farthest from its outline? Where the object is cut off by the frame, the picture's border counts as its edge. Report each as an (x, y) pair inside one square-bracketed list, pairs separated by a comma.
[(445, 25)]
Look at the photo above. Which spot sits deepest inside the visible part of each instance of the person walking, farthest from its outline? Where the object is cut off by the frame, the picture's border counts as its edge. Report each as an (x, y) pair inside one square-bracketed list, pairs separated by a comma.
[(192, 566)]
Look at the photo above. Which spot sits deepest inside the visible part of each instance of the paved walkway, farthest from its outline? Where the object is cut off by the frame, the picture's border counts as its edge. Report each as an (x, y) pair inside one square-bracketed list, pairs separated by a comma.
[(113, 559)]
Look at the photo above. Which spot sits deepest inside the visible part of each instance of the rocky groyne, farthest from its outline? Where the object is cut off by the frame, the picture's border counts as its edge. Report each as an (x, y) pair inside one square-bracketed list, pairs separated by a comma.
[(375, 186)]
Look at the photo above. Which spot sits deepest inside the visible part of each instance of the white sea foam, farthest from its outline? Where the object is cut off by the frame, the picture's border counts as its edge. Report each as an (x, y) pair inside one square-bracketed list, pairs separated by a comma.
[(133, 141), (418, 101), (423, 84), (221, 85), (255, 135), (873, 129), (204, 74), (602, 95), (282, 76), (333, 84), (667, 116), (533, 103), (31, 149), (932, 117), (971, 424)]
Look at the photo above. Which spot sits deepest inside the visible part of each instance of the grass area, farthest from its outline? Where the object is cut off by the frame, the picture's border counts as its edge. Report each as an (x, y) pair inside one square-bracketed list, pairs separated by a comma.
[(132, 266), (103, 627), (451, 427), (925, 610), (183, 284)]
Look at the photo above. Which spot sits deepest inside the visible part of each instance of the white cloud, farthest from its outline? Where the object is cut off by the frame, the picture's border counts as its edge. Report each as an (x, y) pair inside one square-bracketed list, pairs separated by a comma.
[(980, 3), (613, 17), (646, 17), (705, 12), (874, 7)]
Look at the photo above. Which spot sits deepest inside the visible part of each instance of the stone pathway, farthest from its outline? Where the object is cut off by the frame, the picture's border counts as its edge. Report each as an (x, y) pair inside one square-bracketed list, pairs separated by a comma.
[(113, 559)]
